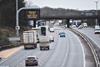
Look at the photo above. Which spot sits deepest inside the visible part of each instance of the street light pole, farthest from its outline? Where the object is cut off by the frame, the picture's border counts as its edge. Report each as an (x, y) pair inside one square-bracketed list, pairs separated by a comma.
[(17, 23), (96, 11)]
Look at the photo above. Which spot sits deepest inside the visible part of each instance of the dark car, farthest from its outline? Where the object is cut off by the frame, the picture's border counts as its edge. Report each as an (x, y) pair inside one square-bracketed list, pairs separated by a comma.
[(31, 61), (62, 34)]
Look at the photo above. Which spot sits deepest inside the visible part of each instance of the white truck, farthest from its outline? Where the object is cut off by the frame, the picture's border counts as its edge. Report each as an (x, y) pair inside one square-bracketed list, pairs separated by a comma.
[(97, 29), (44, 38), (29, 39), (44, 42)]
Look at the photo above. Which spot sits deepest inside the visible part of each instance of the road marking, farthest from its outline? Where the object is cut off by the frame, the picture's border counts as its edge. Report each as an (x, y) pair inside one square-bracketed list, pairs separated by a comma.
[(67, 52), (82, 51)]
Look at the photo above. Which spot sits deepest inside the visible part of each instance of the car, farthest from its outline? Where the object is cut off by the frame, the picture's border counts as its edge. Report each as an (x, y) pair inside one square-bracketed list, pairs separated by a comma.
[(73, 26), (80, 27), (62, 34), (85, 25), (51, 39), (97, 29), (66, 26), (31, 61), (51, 29)]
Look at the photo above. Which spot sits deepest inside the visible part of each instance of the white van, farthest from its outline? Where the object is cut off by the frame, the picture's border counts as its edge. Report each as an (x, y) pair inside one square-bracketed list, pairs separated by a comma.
[(97, 29)]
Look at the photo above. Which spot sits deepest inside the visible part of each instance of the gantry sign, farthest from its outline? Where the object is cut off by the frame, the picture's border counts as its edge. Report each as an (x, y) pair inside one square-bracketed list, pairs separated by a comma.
[(32, 14)]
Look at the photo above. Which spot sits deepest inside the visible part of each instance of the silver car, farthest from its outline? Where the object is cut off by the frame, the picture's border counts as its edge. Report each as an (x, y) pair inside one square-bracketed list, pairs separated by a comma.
[(31, 61)]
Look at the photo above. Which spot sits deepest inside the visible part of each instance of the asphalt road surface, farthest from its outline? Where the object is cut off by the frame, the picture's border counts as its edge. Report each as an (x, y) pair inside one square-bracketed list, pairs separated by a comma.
[(89, 32), (64, 52)]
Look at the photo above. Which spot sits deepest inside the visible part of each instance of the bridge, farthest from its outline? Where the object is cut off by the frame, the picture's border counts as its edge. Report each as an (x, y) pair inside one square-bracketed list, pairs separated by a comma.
[(70, 17), (51, 14)]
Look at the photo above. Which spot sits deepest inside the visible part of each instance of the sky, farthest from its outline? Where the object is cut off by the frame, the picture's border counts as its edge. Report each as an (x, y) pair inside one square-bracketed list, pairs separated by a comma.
[(67, 4)]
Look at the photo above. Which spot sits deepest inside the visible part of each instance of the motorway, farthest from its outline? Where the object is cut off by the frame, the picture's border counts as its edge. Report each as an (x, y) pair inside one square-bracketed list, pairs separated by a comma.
[(64, 52)]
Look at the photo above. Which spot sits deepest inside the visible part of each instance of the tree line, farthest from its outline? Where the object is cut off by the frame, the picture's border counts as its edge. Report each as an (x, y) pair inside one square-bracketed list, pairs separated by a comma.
[(8, 12)]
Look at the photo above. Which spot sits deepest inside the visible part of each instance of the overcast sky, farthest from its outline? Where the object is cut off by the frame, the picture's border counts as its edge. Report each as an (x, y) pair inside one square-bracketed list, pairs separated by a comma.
[(68, 4)]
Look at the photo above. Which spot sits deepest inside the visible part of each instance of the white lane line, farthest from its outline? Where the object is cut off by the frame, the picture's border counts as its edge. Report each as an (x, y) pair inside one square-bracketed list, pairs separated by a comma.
[(83, 51), (67, 53)]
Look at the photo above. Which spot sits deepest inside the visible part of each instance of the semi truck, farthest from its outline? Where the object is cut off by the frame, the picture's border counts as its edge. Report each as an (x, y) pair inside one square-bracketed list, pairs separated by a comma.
[(29, 39)]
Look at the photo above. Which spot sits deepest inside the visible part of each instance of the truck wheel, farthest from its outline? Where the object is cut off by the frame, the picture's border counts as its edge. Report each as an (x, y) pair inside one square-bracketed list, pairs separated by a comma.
[(36, 46), (53, 40), (25, 48), (40, 48), (48, 48)]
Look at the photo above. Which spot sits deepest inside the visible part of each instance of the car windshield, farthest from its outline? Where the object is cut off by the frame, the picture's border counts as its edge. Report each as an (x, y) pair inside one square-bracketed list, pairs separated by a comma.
[(31, 57), (62, 33)]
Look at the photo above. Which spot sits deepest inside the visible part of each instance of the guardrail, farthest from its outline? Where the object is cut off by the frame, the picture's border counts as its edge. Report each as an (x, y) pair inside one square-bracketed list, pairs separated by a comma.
[(90, 44)]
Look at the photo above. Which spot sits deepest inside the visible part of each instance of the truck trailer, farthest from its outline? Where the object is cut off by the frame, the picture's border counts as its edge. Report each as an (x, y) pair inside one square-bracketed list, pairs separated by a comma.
[(29, 39)]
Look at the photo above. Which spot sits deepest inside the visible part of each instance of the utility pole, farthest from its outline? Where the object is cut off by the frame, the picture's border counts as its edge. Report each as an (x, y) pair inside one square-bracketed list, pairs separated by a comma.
[(17, 23), (96, 11)]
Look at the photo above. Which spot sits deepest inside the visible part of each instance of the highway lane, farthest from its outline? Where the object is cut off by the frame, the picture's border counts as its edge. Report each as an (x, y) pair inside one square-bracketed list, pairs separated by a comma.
[(68, 53), (64, 52), (76, 56), (59, 54), (42, 55)]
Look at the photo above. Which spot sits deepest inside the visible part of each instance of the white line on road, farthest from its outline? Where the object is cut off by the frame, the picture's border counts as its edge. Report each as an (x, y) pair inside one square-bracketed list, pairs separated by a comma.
[(82, 51), (66, 55)]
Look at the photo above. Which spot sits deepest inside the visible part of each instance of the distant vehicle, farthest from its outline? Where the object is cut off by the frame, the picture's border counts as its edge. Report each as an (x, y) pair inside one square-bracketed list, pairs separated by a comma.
[(51, 29), (31, 61), (73, 26), (85, 25), (62, 34), (97, 29), (29, 39), (51, 39), (66, 26), (80, 27)]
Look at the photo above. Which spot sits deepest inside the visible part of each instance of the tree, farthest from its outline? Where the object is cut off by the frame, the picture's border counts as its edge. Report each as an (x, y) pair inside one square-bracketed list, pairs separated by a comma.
[(8, 12)]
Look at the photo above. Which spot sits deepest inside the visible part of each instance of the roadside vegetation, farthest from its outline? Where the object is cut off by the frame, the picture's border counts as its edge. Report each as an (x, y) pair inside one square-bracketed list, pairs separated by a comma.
[(5, 32)]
